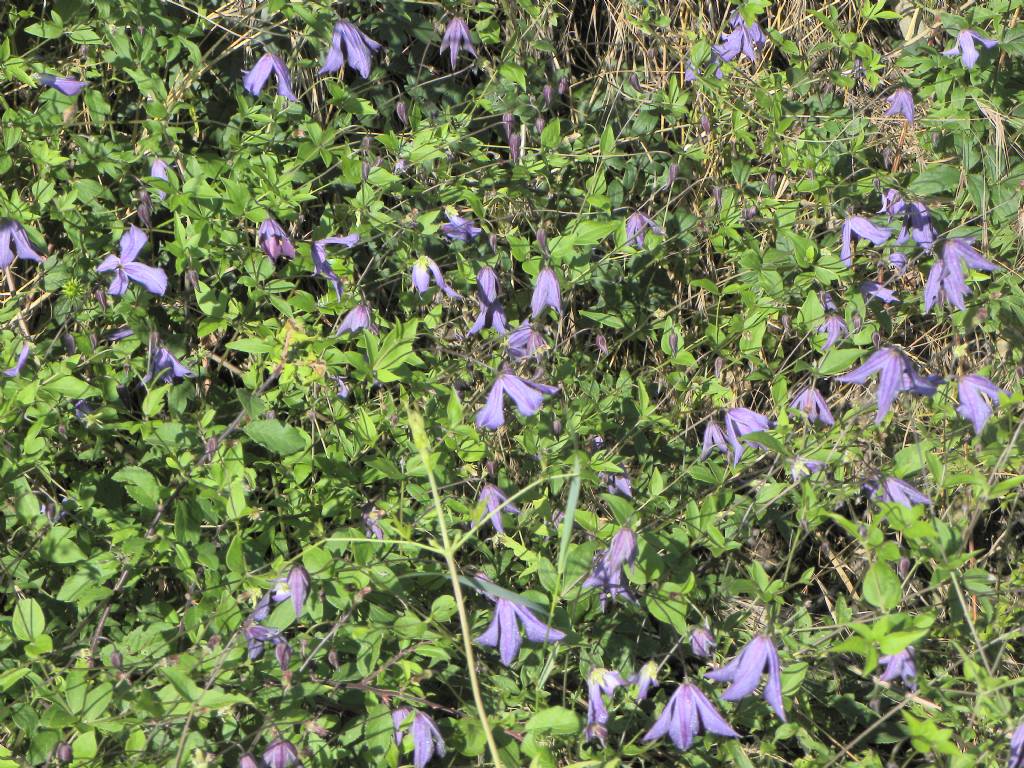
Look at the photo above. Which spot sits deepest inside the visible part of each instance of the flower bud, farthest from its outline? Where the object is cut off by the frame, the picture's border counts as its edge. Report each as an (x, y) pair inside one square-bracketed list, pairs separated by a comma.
[(403, 113), (63, 753)]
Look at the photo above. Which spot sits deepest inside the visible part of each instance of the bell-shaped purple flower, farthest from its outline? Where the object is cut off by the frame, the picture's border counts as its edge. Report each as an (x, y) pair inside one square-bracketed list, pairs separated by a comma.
[(714, 440), (165, 367), (524, 342), (619, 483), (947, 280), (247, 761), (527, 396), (895, 491), (125, 268), (901, 102), (426, 738), (503, 632), (495, 502), (917, 224), (280, 754), (358, 317), (810, 401), (687, 714), (546, 293), (740, 422), (834, 329), (456, 38), (702, 643), (15, 370), (895, 374), (13, 234), (66, 85), (744, 674), (976, 395), (869, 289), (637, 227), (965, 49), (800, 468), (898, 261), (601, 682), (358, 47), (492, 313), (256, 77), (422, 270), (158, 170), (1016, 758), (860, 227), (322, 267), (295, 587), (273, 240), (892, 203), (460, 228), (900, 665), (607, 575), (644, 679), (371, 523)]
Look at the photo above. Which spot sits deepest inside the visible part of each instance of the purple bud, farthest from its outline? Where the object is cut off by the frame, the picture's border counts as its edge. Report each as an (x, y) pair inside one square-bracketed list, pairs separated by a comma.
[(719, 366), (556, 427), (63, 753), (705, 124), (673, 342), (563, 86), (283, 652), (702, 643), (716, 193), (542, 240), (634, 81), (248, 761), (673, 174), (602, 344), (903, 567), (403, 113), (116, 660), (539, 123), (515, 148), (70, 347), (492, 241), (547, 94), (508, 120), (145, 208)]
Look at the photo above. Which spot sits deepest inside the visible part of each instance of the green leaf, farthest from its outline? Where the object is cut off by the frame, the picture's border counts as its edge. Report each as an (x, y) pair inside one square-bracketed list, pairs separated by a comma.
[(280, 438), (936, 178), (882, 587), (558, 721), (140, 485), (28, 621)]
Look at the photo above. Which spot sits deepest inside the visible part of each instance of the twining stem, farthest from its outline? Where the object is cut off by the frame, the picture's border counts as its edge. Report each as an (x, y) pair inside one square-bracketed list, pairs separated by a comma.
[(419, 437)]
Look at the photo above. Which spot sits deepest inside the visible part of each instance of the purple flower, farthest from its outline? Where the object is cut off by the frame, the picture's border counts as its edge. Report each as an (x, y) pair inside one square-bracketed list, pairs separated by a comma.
[(810, 401), (495, 502), (976, 394), (828, 303), (12, 232), (744, 38), (422, 269), (158, 170), (895, 374), (637, 226), (801, 467), (901, 102), (702, 643), (1016, 759), (869, 289), (892, 203), (900, 665), (358, 317), (607, 574), (740, 422), (688, 713), (524, 342), (894, 491), (714, 440), (256, 78), (65, 85), (321, 266), (295, 586), (247, 761), (358, 47), (283, 654), (456, 38), (964, 47), (426, 738), (492, 313), (601, 682), (917, 223), (546, 293), (342, 386), (280, 754), (898, 261), (371, 523), (125, 268), (834, 329), (527, 396), (273, 240), (256, 637), (460, 228), (165, 367), (744, 673), (15, 370), (861, 227), (503, 631), (618, 483), (946, 279), (644, 679)]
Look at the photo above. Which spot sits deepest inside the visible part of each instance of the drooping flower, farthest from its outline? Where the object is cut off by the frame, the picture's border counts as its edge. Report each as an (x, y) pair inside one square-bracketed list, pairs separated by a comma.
[(527, 396), (492, 313), (892, 203), (460, 228), (917, 224), (811, 402), (503, 632), (619, 483), (247, 761), (860, 227), (702, 643), (15, 370), (901, 102), (456, 38), (744, 38), (964, 47), (11, 232), (166, 367), (601, 682), (607, 574), (274, 241), (358, 317), (158, 170), (869, 289), (546, 293), (946, 280), (495, 502), (744, 673), (834, 329), (644, 679), (740, 422), (900, 665), (321, 266), (898, 261), (1016, 759), (280, 754), (256, 78), (125, 268), (525, 342), (295, 587), (686, 715), (422, 270), (714, 440), (371, 523), (637, 226), (358, 47), (976, 395), (66, 85), (895, 491), (800, 468), (426, 738), (895, 374)]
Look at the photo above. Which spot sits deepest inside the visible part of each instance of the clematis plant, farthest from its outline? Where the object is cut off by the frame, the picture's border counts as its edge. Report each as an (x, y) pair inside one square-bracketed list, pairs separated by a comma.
[(901, 102), (964, 47), (126, 268), (509, 619), (456, 38), (426, 738), (546, 293), (976, 395), (322, 267), (13, 234), (495, 502), (946, 279), (357, 47), (257, 77), (895, 374), (687, 714), (492, 313), (527, 396), (744, 672)]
